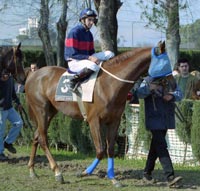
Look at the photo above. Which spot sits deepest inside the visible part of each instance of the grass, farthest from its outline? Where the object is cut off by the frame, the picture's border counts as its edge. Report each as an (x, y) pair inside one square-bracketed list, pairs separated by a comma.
[(14, 174)]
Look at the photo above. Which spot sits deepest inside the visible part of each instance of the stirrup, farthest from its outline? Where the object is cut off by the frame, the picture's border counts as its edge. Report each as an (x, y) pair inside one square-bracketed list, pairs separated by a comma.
[(74, 87)]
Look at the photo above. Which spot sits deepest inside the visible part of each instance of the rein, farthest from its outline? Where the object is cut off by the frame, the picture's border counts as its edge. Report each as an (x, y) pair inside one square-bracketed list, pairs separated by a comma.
[(117, 78)]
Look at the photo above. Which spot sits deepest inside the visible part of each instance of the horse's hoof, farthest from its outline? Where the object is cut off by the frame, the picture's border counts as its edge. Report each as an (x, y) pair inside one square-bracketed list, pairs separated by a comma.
[(33, 175), (81, 174), (116, 183), (59, 178)]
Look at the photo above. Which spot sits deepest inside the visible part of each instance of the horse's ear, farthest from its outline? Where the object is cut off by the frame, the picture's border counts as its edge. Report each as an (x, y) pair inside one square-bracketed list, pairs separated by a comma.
[(163, 43), (159, 43), (19, 45)]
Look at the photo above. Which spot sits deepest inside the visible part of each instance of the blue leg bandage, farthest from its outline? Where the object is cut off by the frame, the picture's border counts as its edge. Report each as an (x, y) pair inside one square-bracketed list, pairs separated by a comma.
[(91, 168), (111, 173)]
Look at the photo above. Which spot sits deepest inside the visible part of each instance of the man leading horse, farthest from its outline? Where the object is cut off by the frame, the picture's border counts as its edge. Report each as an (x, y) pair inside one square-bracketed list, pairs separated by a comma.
[(159, 113)]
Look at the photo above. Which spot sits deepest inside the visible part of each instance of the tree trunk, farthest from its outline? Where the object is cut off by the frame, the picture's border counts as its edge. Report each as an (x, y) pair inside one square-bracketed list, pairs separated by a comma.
[(43, 33), (107, 23), (172, 32), (61, 29)]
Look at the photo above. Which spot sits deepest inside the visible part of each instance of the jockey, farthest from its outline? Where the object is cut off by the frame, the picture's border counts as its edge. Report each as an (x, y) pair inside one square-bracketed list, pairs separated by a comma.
[(79, 49)]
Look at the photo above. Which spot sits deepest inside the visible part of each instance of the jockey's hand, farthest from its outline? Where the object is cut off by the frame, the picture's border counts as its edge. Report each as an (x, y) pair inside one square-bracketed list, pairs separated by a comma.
[(93, 59), (198, 93), (168, 97)]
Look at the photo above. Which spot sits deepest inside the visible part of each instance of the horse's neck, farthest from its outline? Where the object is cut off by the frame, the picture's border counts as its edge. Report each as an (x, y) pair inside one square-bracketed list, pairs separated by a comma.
[(132, 67), (129, 68)]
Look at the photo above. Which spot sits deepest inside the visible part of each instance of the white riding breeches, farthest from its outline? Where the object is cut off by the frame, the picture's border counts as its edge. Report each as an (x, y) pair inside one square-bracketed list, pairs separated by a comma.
[(78, 65)]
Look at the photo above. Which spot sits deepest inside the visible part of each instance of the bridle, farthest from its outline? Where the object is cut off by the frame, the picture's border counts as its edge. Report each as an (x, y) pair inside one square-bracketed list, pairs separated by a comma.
[(15, 61), (10, 67)]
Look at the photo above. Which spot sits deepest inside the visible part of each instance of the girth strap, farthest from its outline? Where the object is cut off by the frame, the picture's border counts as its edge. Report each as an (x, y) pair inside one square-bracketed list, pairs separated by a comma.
[(81, 106)]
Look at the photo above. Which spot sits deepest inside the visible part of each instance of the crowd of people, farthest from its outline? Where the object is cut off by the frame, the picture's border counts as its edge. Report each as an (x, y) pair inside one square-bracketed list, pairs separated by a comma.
[(83, 60)]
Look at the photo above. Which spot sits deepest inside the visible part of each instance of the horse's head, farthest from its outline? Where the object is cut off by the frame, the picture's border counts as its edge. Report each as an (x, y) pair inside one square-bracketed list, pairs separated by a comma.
[(160, 48), (11, 63)]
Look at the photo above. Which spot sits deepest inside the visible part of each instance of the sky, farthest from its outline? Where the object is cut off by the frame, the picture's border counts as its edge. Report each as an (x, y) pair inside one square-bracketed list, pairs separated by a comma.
[(131, 30), (131, 27)]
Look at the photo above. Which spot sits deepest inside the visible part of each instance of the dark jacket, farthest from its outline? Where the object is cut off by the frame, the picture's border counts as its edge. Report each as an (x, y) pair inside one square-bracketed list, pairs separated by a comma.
[(159, 114), (7, 94)]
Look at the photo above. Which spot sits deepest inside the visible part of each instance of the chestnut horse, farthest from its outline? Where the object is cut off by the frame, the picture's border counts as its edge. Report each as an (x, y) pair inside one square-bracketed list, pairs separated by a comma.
[(11, 62), (114, 81)]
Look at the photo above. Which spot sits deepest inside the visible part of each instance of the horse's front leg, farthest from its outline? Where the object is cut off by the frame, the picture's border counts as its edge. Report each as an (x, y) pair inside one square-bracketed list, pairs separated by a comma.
[(97, 139), (53, 165)]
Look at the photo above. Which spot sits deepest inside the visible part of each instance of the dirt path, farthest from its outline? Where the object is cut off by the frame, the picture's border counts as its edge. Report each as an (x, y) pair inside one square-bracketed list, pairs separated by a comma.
[(14, 176)]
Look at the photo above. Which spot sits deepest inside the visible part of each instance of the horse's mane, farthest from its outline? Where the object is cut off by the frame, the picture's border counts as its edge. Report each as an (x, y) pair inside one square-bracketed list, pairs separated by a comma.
[(121, 57)]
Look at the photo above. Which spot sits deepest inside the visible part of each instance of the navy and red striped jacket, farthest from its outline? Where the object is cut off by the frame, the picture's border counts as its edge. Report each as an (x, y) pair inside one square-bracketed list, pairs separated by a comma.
[(79, 44)]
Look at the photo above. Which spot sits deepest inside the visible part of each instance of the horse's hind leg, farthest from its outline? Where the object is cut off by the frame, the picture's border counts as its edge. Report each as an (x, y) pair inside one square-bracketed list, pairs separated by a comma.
[(43, 118), (32, 156), (42, 129)]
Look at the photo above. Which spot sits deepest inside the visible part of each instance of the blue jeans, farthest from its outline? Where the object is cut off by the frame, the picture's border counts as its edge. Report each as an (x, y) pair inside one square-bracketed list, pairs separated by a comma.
[(17, 123)]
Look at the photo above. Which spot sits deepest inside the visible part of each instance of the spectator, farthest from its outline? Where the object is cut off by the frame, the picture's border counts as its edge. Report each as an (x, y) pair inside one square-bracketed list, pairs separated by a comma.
[(7, 112), (186, 81), (196, 73), (19, 88), (33, 67), (196, 90)]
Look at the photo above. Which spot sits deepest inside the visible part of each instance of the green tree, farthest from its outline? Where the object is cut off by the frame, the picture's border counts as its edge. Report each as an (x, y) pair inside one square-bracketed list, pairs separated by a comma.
[(195, 133), (61, 30), (107, 23), (190, 34), (164, 15), (44, 32)]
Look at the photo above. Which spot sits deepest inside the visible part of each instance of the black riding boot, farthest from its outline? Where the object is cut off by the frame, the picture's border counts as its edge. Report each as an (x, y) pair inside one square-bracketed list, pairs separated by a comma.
[(78, 78)]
